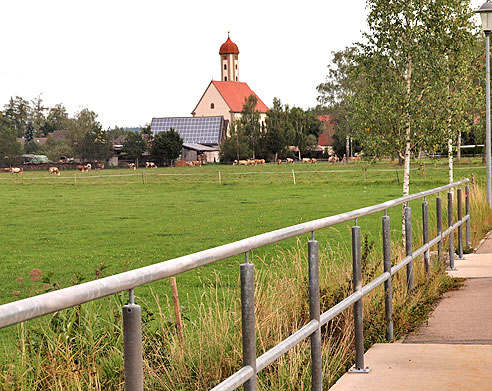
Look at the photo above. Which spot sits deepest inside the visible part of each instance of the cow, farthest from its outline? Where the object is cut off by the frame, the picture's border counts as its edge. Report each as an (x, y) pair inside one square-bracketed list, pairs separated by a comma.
[(100, 166), (196, 163), (16, 170), (133, 166), (333, 159), (54, 170), (150, 164), (251, 162), (85, 168), (261, 161), (289, 160), (279, 161), (306, 160), (313, 161)]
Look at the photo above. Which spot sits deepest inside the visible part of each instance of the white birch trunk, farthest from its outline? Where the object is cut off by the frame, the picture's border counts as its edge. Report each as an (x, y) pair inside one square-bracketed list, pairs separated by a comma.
[(406, 166), (450, 160), (458, 147)]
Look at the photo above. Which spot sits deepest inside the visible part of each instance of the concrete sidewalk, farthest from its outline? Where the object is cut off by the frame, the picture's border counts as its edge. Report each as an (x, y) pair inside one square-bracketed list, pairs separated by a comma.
[(451, 351)]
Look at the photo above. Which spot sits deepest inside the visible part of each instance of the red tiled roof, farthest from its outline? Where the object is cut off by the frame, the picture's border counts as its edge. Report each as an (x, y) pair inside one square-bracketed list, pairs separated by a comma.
[(235, 93), (229, 47)]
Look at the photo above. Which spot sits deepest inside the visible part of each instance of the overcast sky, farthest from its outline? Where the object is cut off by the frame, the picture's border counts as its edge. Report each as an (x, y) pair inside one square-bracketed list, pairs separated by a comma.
[(130, 61)]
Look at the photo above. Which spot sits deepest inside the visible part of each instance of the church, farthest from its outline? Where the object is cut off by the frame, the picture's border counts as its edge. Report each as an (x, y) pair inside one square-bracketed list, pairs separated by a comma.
[(220, 104)]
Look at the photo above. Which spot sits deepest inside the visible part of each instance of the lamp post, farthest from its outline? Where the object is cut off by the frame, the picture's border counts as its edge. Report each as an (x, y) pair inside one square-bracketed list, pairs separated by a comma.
[(485, 12)]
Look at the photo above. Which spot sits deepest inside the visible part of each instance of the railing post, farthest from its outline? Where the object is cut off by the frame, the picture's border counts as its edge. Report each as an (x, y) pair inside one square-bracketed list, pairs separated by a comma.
[(439, 226), (132, 345), (451, 234), (358, 309), (248, 320), (408, 247), (460, 228), (467, 211), (425, 234), (388, 286), (314, 313)]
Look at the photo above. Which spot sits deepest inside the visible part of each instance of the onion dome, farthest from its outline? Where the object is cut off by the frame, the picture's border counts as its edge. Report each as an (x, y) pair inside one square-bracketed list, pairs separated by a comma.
[(229, 47)]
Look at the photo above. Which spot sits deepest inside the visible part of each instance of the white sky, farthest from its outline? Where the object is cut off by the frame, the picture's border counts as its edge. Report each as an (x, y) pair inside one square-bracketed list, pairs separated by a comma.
[(130, 61)]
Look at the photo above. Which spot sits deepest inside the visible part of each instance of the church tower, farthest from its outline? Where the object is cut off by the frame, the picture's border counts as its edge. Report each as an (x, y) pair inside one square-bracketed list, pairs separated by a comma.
[(228, 61)]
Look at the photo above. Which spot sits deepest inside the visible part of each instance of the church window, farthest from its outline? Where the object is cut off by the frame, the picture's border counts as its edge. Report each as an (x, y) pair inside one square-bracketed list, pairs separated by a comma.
[(225, 67), (212, 106), (236, 78), (225, 78)]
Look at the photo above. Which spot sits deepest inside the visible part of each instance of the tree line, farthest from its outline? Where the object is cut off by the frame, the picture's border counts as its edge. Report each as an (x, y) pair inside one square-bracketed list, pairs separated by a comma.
[(283, 127)]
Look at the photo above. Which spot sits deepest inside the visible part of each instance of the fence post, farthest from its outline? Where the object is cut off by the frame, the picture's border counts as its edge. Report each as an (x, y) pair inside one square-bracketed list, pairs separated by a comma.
[(248, 319), (467, 211), (408, 247), (388, 289), (425, 233), (132, 345), (314, 313), (460, 228), (358, 309), (439, 225), (451, 234)]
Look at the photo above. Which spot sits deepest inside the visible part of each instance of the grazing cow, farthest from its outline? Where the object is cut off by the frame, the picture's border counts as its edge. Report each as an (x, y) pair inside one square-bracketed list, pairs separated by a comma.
[(16, 170), (54, 170), (150, 164), (333, 159), (306, 160), (289, 160), (133, 166), (196, 163), (251, 162), (100, 166), (261, 161), (235, 162), (85, 168), (313, 161), (279, 161)]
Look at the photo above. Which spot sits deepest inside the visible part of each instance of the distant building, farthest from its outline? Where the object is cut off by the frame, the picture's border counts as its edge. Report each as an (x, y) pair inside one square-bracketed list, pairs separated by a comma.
[(221, 103), (226, 97), (203, 134), (325, 139)]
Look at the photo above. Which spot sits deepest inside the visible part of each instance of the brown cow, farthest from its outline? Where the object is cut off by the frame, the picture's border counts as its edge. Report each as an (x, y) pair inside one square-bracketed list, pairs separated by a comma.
[(290, 160), (196, 163), (54, 170), (279, 161), (85, 168), (16, 170), (150, 164), (132, 166)]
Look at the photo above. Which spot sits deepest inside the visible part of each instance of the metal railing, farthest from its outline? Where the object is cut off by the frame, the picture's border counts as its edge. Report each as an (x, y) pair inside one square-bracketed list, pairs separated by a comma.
[(23, 310)]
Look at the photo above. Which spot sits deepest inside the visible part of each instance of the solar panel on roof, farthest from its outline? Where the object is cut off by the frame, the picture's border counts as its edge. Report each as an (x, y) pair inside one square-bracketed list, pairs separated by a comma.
[(200, 130)]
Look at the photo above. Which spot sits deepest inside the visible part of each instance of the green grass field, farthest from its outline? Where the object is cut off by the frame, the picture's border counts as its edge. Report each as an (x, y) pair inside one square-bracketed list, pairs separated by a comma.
[(65, 226)]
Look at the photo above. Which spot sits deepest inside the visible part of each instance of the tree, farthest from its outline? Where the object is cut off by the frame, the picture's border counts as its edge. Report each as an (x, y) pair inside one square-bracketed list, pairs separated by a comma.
[(399, 79), (56, 149), (335, 96), (306, 130), (250, 122), (10, 148), (29, 132), (57, 119), (96, 145), (18, 112), (236, 146), (37, 114), (166, 146), (135, 146), (78, 127), (277, 127)]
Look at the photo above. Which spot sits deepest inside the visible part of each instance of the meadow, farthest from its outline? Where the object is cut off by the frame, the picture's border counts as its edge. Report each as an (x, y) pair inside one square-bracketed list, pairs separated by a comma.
[(78, 227)]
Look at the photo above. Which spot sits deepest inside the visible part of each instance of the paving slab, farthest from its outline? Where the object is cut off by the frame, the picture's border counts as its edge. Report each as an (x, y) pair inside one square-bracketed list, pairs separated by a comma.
[(463, 316), (422, 367), (472, 266)]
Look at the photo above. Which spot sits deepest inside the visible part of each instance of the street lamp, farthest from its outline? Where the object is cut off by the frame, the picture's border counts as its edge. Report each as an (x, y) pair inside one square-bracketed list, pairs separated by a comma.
[(485, 12)]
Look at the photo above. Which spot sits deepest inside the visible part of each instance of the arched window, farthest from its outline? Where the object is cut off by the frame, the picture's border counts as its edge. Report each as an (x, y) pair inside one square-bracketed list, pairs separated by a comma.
[(236, 78), (225, 78), (225, 67), (212, 106)]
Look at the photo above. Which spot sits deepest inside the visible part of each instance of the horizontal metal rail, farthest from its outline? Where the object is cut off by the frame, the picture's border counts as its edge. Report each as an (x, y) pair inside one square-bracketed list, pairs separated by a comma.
[(22, 310)]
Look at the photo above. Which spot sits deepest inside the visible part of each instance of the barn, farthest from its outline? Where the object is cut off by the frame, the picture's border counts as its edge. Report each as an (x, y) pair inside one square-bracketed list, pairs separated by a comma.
[(201, 135)]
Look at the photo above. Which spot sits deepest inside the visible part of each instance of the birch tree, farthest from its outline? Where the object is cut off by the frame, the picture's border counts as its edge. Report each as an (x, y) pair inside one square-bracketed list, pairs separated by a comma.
[(396, 108)]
